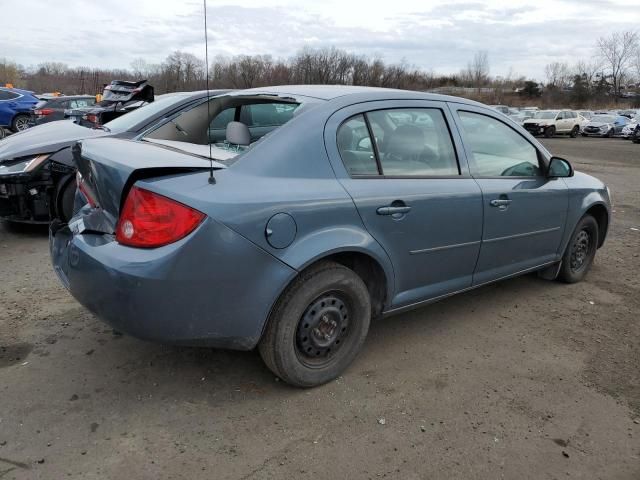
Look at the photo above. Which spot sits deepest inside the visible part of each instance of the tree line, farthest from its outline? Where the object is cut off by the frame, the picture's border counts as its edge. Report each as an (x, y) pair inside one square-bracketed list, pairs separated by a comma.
[(606, 76)]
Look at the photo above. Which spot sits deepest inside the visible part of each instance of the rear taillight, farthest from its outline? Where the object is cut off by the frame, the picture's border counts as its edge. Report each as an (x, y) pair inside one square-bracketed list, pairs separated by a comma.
[(150, 220), (43, 112), (86, 190)]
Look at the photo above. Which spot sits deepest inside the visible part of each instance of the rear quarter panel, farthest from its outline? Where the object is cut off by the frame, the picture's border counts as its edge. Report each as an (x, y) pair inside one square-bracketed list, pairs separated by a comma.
[(288, 172)]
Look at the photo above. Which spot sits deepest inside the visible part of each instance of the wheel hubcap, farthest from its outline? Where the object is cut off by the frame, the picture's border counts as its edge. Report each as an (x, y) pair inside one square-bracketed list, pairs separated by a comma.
[(322, 328), (22, 124), (580, 250)]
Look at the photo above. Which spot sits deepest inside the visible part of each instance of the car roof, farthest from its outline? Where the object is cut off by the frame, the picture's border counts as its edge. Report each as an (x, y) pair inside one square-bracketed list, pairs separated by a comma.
[(17, 90), (331, 92)]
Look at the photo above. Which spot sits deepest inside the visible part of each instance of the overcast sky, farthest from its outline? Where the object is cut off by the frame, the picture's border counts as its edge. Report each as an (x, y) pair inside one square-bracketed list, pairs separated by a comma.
[(442, 36)]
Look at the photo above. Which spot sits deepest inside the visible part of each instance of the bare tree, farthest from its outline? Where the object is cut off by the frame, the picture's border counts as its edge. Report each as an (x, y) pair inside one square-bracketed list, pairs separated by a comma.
[(617, 52), (478, 69), (557, 74), (588, 71)]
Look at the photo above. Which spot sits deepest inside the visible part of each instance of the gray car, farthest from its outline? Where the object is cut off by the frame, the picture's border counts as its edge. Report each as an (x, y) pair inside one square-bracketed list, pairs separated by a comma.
[(53, 108), (37, 172), (321, 208)]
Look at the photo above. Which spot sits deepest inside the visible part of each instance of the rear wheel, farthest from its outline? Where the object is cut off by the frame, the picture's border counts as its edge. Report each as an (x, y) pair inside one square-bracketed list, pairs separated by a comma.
[(580, 252), (318, 325), (550, 132), (20, 123), (574, 131), (610, 134)]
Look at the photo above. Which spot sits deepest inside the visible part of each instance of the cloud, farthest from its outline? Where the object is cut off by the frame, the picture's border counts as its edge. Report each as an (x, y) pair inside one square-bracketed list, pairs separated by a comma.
[(520, 34)]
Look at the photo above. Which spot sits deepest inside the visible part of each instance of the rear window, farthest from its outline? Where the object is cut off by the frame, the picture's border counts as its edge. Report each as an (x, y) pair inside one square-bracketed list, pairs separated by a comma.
[(41, 103), (81, 102), (6, 95)]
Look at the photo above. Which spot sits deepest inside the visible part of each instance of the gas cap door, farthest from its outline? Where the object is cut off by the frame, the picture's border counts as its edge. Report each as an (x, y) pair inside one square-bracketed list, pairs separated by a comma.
[(281, 230)]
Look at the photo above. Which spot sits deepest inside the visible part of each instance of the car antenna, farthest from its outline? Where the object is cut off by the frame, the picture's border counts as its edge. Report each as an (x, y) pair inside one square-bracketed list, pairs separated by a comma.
[(212, 179)]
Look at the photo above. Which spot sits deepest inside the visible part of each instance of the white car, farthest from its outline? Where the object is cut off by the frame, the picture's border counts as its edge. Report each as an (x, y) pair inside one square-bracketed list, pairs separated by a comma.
[(552, 122), (629, 128)]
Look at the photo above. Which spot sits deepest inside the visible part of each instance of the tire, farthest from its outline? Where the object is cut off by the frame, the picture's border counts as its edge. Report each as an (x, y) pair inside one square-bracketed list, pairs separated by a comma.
[(550, 132), (609, 134), (2, 133), (301, 354), (574, 131), (66, 199), (578, 257), (583, 134), (20, 122)]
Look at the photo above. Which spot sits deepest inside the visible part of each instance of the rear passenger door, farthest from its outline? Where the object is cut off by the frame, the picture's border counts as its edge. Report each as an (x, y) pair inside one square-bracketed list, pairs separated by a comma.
[(524, 211), (399, 162)]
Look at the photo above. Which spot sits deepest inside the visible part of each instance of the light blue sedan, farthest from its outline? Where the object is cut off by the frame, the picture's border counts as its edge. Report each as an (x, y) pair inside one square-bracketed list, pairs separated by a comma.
[(286, 218)]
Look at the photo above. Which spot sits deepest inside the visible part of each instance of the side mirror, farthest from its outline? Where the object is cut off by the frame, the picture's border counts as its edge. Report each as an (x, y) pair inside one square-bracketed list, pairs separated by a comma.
[(559, 168)]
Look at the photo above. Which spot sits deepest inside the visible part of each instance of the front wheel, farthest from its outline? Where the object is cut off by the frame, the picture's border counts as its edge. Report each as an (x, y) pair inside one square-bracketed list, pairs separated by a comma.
[(318, 325), (550, 132), (574, 131), (580, 252), (66, 199)]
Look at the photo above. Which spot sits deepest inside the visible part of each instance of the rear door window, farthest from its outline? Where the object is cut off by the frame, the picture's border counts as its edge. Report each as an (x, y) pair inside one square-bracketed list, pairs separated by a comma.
[(356, 148), (406, 143)]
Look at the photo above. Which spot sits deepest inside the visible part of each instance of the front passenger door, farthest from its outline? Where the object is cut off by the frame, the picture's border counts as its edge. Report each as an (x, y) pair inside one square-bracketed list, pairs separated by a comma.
[(524, 211)]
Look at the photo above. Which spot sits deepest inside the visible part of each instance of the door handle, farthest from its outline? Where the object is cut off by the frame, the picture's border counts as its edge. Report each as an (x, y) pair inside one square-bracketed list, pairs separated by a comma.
[(500, 202), (393, 210)]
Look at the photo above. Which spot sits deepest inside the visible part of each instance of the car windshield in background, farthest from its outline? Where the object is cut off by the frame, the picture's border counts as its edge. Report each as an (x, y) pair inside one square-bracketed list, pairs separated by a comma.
[(545, 115), (604, 119), (129, 120)]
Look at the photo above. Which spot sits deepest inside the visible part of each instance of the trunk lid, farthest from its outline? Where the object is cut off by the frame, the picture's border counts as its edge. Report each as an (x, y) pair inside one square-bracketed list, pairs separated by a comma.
[(109, 167)]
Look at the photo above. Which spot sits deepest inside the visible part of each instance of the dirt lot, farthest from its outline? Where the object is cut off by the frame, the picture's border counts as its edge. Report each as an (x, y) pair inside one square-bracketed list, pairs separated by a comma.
[(522, 379)]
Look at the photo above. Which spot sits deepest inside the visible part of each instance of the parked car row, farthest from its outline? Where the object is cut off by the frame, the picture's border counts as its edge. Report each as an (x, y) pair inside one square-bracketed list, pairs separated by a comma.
[(37, 171), (286, 218), (22, 109), (548, 123)]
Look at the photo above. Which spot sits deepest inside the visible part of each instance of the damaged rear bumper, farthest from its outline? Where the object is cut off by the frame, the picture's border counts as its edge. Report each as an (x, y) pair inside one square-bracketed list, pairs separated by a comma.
[(213, 288)]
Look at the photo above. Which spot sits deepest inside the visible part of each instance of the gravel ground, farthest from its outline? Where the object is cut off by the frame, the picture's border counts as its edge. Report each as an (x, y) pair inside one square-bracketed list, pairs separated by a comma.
[(521, 379)]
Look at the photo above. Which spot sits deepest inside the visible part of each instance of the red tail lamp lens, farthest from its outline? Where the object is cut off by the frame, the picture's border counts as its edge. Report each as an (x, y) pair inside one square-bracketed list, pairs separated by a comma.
[(149, 220)]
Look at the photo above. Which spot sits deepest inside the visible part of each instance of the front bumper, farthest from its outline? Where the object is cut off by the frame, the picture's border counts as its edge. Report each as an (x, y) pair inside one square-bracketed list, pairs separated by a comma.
[(535, 129), (24, 199), (212, 288)]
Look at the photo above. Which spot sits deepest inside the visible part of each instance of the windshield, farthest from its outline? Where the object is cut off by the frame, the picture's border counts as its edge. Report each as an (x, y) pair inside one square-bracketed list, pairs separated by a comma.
[(131, 119), (604, 119), (546, 115)]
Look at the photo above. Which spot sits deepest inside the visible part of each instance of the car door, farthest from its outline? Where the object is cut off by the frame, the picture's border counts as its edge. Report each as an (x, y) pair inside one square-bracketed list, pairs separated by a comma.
[(400, 164), (7, 105), (619, 124), (561, 122), (524, 211)]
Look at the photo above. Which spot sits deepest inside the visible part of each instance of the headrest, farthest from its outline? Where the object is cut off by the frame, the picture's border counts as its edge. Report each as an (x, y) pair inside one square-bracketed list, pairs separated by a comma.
[(238, 134), (406, 140)]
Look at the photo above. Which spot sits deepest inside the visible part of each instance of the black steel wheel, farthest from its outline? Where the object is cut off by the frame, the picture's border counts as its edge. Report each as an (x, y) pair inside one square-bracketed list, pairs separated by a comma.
[(580, 252), (322, 328), (550, 131), (318, 325)]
